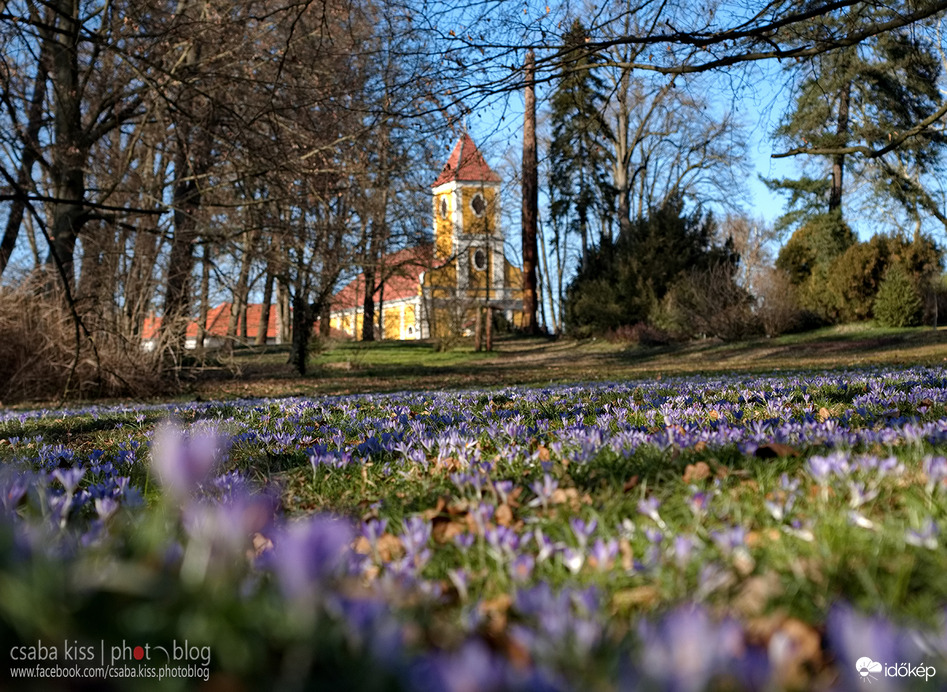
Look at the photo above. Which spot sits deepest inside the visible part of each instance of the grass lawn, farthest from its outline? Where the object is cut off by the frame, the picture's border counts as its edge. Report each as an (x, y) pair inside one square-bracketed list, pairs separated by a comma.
[(684, 518), (353, 367)]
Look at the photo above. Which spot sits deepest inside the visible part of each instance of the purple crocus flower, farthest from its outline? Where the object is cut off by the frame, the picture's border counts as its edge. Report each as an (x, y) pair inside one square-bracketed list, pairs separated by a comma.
[(105, 507), (683, 547), (685, 648), (544, 490), (13, 487), (181, 461), (473, 668), (697, 503), (730, 539), (604, 552), (310, 551), (649, 507), (69, 478), (852, 636), (924, 537), (583, 530), (521, 569), (573, 559)]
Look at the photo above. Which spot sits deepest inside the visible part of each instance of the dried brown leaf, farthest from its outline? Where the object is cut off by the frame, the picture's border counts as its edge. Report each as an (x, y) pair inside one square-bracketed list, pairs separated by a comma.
[(696, 472)]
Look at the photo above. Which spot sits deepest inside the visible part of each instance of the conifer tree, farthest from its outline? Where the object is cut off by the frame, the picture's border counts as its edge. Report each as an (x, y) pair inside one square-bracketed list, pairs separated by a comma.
[(578, 185), (856, 100)]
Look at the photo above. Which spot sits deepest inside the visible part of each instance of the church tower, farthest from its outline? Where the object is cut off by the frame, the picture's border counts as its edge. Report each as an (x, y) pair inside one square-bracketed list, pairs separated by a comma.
[(467, 231)]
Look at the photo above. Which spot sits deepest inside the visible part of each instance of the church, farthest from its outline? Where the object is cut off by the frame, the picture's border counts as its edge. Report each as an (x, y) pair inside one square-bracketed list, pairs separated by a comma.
[(436, 291)]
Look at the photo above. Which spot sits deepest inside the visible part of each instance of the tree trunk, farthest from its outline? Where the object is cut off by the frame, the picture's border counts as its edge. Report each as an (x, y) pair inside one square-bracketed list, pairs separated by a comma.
[(27, 159), (545, 274), (368, 302), (530, 200), (191, 162), (838, 161), (325, 321), (265, 310), (283, 313), (69, 157), (238, 308), (206, 258), (303, 317)]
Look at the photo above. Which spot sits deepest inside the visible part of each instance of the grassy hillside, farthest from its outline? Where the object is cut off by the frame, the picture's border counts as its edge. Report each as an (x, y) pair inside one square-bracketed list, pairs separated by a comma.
[(349, 367)]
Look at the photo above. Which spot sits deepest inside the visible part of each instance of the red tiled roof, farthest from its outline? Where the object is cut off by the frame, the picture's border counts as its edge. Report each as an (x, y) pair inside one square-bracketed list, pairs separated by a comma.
[(402, 268), (218, 320), (466, 163)]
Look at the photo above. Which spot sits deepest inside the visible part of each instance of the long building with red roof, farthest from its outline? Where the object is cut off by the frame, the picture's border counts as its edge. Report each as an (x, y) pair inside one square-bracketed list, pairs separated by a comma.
[(419, 292)]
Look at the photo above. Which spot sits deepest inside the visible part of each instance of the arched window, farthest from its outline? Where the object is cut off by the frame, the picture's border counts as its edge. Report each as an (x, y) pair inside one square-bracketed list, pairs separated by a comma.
[(480, 260), (478, 204)]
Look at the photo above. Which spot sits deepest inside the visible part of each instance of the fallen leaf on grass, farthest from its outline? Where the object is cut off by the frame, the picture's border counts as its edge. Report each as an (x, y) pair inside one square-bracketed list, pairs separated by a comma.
[(444, 530), (755, 538), (515, 653), (637, 597), (449, 464), (696, 472), (388, 545), (627, 557), (795, 650), (571, 496), (630, 484), (504, 515), (495, 610), (430, 514), (756, 593), (260, 544)]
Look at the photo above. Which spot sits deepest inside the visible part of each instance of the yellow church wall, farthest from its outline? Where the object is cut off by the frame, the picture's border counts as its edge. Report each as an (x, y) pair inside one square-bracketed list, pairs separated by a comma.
[(443, 227), (392, 323), (442, 281), (513, 278), (478, 277), (479, 224)]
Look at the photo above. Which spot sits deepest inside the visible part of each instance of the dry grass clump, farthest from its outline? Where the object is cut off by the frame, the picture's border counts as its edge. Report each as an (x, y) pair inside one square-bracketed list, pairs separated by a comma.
[(40, 360)]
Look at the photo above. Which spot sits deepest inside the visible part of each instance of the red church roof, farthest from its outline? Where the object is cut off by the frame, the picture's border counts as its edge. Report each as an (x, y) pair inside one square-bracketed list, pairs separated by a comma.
[(466, 163), (218, 320), (402, 270)]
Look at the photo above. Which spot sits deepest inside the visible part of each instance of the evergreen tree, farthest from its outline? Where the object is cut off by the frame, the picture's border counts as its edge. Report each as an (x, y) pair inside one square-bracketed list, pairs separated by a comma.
[(577, 181), (898, 303), (857, 98), (623, 281)]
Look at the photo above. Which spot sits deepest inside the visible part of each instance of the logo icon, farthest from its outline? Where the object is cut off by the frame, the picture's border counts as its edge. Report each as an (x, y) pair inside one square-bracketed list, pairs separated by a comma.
[(867, 668)]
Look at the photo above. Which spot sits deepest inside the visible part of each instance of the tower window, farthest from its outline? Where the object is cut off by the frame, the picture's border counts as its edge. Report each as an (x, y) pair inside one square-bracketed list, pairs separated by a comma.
[(480, 260), (478, 204), (444, 207)]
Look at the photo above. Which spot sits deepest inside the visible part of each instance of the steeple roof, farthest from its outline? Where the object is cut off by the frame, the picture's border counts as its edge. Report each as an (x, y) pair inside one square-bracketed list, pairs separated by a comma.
[(466, 164)]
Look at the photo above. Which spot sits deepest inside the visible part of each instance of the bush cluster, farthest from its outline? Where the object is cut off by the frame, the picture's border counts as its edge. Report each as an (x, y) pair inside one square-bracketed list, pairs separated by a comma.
[(838, 280), (623, 282), (44, 354)]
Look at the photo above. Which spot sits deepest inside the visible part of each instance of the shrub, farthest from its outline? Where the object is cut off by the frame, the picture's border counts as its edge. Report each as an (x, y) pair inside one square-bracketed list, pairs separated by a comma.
[(935, 301), (777, 304), (898, 303), (39, 358), (855, 276), (709, 302), (622, 282), (815, 244)]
